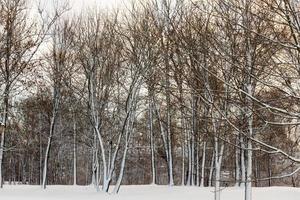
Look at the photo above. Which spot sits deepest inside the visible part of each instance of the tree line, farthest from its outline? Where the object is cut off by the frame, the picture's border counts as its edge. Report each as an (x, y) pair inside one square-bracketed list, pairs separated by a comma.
[(178, 92)]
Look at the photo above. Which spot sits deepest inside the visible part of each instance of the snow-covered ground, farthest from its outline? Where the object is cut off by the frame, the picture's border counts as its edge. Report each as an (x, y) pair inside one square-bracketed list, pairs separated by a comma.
[(142, 193)]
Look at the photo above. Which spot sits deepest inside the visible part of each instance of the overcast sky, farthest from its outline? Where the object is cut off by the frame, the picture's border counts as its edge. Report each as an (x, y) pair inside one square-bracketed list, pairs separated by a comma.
[(103, 3), (79, 4)]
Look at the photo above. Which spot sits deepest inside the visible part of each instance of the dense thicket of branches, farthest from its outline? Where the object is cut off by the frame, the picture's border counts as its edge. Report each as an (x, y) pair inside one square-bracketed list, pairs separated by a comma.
[(201, 93)]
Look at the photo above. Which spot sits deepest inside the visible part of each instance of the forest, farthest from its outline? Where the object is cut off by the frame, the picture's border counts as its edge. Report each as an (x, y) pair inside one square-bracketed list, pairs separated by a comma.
[(165, 92)]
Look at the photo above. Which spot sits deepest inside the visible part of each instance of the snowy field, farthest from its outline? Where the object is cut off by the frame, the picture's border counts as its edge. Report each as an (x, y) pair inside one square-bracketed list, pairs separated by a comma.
[(142, 193)]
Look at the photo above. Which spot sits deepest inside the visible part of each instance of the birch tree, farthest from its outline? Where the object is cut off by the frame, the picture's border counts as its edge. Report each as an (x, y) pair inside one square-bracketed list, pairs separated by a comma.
[(58, 63), (20, 41)]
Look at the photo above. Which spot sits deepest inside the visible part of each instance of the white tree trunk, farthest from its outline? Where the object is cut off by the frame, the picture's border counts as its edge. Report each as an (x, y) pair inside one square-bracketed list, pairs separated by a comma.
[(95, 120), (166, 143), (189, 178), (152, 146), (211, 171), (237, 164), (74, 154), (193, 160), (129, 128), (169, 134), (127, 139), (193, 138), (183, 144), (94, 165), (218, 164), (243, 167), (197, 166), (203, 165), (2, 128), (248, 185), (120, 178), (48, 150), (2, 150), (219, 148), (170, 163), (249, 104), (51, 132)]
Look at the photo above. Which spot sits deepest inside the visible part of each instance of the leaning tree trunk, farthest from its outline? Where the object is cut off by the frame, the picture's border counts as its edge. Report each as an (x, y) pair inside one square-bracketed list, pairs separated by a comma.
[(51, 132), (120, 178), (163, 135), (52, 124), (127, 139)]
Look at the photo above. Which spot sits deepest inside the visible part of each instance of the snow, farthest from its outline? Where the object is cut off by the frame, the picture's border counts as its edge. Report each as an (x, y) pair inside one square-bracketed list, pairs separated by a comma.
[(147, 192)]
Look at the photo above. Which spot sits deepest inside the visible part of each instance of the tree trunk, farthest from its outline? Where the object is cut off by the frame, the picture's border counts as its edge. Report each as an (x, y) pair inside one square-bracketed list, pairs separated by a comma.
[(74, 154), (197, 165), (51, 132), (3, 130), (120, 178), (203, 165), (152, 147), (48, 150), (218, 163), (183, 144), (219, 150), (169, 134), (237, 164), (211, 171), (190, 171), (242, 157)]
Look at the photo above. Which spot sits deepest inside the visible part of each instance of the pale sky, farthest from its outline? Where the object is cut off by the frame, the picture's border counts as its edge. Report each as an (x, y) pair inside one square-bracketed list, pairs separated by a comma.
[(103, 3), (79, 4)]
